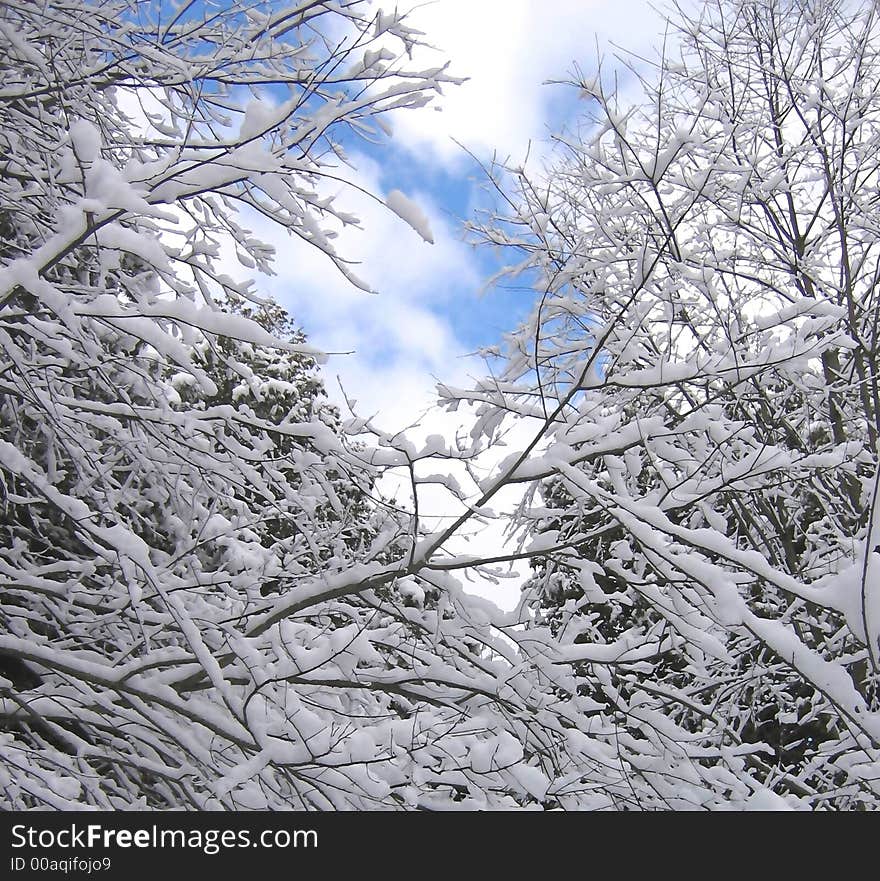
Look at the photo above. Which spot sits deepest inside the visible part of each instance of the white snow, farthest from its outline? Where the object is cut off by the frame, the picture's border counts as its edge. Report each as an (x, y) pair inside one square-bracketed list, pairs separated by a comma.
[(408, 211)]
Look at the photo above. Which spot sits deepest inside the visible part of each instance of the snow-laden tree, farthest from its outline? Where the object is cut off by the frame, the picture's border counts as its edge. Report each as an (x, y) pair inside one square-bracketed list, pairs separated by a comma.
[(204, 602), (277, 386), (703, 379)]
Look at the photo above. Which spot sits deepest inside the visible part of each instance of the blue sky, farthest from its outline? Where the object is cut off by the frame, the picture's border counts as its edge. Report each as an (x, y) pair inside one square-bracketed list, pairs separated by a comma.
[(429, 312)]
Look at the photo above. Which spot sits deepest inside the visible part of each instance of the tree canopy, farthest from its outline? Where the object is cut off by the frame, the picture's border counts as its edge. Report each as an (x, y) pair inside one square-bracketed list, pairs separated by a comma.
[(207, 603)]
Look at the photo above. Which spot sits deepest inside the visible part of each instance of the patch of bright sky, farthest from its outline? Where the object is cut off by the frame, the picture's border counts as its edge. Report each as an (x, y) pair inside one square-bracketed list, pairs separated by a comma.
[(430, 312), (508, 49)]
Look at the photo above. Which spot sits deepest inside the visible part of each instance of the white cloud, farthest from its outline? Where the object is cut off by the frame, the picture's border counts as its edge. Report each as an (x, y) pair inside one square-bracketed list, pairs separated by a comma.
[(508, 49), (405, 326)]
